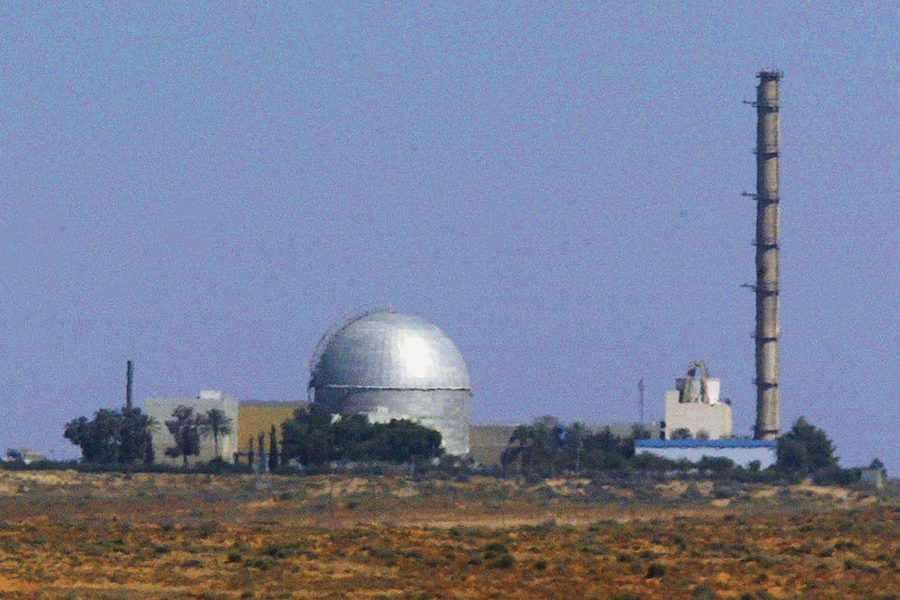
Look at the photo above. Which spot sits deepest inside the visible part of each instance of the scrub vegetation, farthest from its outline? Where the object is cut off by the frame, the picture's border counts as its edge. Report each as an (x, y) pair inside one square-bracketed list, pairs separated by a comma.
[(65, 534)]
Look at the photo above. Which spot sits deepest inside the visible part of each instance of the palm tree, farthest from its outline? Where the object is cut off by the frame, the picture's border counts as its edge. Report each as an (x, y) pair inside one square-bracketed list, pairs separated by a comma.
[(215, 423), (535, 447), (184, 427)]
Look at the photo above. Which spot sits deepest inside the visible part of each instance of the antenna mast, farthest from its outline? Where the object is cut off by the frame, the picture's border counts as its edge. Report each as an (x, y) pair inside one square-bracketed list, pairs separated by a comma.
[(641, 397)]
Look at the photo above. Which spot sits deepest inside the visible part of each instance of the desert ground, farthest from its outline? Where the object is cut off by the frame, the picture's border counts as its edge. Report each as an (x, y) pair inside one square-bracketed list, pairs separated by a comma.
[(65, 534)]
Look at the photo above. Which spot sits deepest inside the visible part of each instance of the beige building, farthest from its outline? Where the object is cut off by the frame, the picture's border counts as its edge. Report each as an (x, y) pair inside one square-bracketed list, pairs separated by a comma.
[(257, 417), (487, 442)]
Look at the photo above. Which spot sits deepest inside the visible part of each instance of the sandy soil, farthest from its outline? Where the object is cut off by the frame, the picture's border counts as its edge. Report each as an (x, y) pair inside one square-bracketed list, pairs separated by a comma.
[(70, 535)]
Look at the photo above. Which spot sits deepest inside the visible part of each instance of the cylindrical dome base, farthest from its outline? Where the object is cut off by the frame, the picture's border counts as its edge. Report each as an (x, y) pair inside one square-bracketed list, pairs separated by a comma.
[(388, 365)]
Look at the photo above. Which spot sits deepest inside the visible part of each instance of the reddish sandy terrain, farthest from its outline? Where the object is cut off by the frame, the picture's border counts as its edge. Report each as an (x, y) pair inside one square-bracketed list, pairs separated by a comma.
[(69, 535)]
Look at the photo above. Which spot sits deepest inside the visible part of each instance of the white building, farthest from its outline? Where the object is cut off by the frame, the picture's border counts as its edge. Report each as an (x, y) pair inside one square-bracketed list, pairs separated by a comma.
[(741, 452), (694, 406), (161, 409)]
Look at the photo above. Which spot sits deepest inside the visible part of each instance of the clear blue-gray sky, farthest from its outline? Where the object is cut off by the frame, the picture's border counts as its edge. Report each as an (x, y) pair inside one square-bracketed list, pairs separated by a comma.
[(206, 187)]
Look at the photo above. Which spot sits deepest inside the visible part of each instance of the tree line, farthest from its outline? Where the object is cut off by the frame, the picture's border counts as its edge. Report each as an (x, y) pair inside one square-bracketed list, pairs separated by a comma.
[(125, 436), (313, 437), (546, 448)]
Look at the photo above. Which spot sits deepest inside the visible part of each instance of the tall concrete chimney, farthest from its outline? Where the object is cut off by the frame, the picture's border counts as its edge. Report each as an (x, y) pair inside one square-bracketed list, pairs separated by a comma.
[(768, 420), (129, 378)]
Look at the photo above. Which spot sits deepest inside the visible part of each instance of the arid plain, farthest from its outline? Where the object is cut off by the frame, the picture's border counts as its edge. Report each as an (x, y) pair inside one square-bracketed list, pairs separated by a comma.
[(73, 535)]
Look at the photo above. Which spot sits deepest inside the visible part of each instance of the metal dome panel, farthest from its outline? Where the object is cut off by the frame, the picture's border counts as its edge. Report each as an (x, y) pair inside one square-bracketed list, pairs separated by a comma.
[(390, 350)]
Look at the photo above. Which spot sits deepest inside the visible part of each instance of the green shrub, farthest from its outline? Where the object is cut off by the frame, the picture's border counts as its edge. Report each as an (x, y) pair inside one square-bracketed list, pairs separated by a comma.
[(845, 545), (496, 548), (704, 592), (503, 561), (207, 528)]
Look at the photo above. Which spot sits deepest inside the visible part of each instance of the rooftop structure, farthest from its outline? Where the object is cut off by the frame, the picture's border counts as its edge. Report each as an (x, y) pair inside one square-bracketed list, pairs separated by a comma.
[(694, 409)]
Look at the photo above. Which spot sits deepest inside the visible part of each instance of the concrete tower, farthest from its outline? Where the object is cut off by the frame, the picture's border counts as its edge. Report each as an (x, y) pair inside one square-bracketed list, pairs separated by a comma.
[(768, 422)]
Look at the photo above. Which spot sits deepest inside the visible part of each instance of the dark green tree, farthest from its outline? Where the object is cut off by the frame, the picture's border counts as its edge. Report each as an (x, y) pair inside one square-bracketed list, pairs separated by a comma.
[(97, 438), (261, 442), (273, 450), (136, 436), (313, 437), (15, 456), (535, 449), (185, 429), (306, 437), (715, 465), (353, 438), (640, 432), (113, 436), (682, 433), (606, 451), (805, 449), (545, 448), (402, 441), (215, 423)]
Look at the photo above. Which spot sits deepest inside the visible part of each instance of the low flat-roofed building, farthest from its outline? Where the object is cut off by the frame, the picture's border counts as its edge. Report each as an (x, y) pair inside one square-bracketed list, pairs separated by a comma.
[(741, 452), (487, 442)]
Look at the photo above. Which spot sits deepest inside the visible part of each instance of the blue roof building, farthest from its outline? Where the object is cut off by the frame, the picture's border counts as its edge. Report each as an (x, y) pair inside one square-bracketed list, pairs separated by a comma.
[(741, 452)]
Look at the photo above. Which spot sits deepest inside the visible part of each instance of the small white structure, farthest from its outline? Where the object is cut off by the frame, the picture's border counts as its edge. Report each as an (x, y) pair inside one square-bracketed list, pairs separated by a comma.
[(740, 452), (161, 409), (694, 406)]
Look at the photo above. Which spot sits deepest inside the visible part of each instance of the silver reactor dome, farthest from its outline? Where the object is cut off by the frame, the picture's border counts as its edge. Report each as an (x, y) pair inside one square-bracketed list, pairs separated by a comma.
[(390, 365)]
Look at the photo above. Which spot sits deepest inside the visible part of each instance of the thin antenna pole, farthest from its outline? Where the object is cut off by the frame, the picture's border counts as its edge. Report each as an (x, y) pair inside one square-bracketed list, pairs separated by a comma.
[(129, 378), (641, 397)]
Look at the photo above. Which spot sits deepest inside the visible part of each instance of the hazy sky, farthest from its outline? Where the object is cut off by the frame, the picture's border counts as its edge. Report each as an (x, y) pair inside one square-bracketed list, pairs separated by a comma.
[(206, 187)]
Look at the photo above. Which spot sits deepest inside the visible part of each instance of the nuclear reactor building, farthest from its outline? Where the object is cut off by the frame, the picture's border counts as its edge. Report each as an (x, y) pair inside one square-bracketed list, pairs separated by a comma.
[(388, 365)]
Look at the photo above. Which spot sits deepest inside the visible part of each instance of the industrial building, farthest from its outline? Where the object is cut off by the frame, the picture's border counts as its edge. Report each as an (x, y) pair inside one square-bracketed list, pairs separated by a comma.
[(487, 442), (380, 363), (694, 405), (694, 409), (249, 419), (388, 365)]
